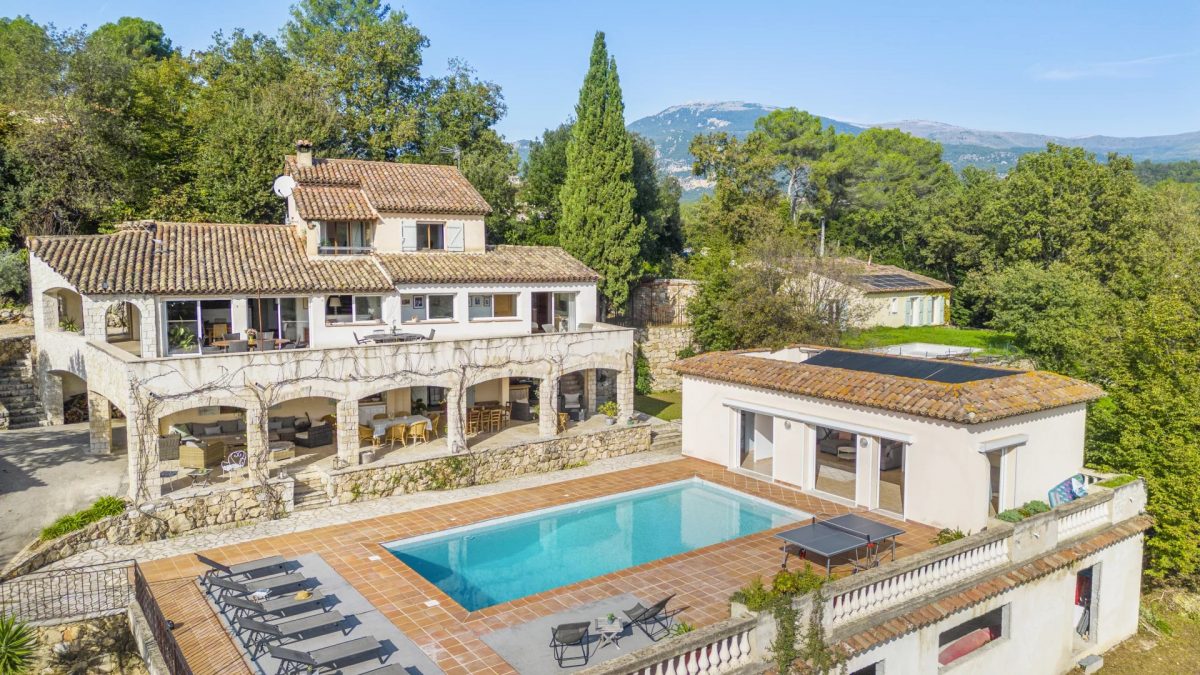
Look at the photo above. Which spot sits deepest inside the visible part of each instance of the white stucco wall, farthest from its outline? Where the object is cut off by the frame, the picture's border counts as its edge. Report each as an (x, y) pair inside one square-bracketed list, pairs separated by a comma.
[(946, 477), (1040, 638), (389, 233), (880, 309)]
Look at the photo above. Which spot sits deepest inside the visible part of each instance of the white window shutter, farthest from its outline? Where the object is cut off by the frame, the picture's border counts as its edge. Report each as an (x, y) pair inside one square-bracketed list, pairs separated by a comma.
[(408, 235), (454, 236)]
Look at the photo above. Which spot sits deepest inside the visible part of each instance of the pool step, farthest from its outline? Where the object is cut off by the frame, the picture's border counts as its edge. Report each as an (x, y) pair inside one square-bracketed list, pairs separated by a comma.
[(666, 438)]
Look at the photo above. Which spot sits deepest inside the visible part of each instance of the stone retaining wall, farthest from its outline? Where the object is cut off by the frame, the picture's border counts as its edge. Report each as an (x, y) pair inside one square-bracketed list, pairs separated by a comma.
[(661, 346), (487, 466), (103, 645), (166, 517), (14, 348)]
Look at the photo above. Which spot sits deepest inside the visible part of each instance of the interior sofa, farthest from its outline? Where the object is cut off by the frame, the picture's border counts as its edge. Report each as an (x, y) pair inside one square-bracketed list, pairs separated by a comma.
[(227, 431), (286, 428)]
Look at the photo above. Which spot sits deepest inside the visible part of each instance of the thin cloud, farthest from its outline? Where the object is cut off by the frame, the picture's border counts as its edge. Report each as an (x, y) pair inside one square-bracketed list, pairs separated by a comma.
[(1109, 69)]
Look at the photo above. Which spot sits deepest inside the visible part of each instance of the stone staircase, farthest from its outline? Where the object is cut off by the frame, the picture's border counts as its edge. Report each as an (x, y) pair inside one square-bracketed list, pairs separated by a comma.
[(666, 437), (18, 395), (310, 492)]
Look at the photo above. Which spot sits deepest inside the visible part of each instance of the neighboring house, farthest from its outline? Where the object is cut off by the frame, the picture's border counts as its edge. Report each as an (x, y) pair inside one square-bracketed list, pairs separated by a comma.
[(895, 296), (943, 444), (369, 247)]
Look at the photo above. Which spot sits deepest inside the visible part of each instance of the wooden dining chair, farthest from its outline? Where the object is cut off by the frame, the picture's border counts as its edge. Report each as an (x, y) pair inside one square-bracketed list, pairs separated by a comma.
[(474, 418), (418, 430), (496, 419), (398, 432), (507, 412), (435, 421), (563, 418)]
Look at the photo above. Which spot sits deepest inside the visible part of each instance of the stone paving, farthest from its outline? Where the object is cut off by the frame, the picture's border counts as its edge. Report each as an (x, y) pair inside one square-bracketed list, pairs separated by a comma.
[(702, 579)]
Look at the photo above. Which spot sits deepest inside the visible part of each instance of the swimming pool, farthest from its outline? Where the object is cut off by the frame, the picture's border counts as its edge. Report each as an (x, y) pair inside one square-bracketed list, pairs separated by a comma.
[(504, 559)]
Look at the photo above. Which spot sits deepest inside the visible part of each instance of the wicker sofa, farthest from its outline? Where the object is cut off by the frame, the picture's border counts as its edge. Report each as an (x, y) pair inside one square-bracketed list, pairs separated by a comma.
[(316, 436)]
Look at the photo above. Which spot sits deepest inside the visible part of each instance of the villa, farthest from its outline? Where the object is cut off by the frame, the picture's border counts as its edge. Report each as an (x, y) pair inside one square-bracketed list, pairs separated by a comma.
[(378, 301), (887, 295)]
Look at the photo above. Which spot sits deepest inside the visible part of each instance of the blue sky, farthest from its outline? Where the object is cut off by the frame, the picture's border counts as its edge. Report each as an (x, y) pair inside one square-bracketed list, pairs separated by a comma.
[(1065, 68)]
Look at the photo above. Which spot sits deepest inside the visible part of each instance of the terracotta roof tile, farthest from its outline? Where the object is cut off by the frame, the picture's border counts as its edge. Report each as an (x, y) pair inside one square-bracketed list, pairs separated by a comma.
[(395, 187), (202, 259), (332, 202), (517, 264), (966, 403)]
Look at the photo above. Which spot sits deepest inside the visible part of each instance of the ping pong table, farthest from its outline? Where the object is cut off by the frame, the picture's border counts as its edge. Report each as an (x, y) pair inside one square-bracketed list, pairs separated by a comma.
[(841, 535)]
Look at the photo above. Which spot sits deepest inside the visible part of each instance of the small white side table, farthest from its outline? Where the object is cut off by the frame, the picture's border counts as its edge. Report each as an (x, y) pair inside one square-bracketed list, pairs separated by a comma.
[(609, 631)]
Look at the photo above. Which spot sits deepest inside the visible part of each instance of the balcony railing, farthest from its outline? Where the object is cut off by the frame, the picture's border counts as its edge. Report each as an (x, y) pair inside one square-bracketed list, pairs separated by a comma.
[(344, 250)]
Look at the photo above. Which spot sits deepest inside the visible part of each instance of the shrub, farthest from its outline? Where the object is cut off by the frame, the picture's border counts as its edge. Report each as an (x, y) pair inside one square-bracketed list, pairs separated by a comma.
[(14, 274), (100, 509), (16, 645), (754, 595), (686, 353), (1010, 516), (643, 383), (1033, 508), (947, 535), (608, 409), (1117, 481), (681, 628)]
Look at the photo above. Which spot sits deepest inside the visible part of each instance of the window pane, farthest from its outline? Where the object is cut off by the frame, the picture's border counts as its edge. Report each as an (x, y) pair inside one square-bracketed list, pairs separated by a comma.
[(480, 306), (441, 307), (429, 236), (504, 305), (367, 308), (339, 309), (412, 308)]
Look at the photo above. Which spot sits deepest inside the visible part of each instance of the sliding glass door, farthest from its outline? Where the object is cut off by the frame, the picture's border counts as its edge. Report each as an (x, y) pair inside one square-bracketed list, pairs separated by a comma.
[(286, 318), (191, 324)]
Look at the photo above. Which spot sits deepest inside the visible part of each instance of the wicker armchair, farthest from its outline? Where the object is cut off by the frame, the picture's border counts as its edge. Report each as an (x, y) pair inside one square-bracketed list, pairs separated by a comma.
[(201, 456), (366, 433), (168, 446)]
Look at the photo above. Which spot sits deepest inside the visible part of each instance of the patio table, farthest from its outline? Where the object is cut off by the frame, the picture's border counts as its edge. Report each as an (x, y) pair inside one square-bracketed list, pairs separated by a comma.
[(382, 426)]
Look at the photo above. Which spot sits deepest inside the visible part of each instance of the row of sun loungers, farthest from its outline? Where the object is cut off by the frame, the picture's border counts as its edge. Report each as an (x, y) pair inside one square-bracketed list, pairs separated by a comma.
[(249, 595)]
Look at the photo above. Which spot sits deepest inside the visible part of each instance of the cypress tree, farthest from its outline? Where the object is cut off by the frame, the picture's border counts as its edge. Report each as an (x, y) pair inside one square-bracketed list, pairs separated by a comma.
[(598, 224)]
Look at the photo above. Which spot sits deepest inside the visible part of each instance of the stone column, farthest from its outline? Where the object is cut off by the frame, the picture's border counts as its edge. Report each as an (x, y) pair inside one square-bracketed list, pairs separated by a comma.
[(100, 425), (347, 431), (145, 471), (548, 406), (50, 389), (589, 392), (256, 443), (625, 392), (456, 436)]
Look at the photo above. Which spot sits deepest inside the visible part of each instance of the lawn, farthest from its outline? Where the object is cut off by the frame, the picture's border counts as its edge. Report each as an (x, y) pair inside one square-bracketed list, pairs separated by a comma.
[(665, 405), (990, 341)]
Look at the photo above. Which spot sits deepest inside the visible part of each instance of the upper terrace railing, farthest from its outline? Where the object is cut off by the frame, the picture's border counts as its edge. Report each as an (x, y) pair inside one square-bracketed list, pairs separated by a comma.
[(854, 601)]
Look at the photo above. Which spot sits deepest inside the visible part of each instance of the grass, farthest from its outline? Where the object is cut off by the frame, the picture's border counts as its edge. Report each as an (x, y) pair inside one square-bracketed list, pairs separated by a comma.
[(665, 405), (989, 341), (1166, 643), (1117, 481), (102, 508)]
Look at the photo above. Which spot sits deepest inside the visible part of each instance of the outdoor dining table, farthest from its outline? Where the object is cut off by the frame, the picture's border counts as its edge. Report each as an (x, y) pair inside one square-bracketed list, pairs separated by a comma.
[(381, 426)]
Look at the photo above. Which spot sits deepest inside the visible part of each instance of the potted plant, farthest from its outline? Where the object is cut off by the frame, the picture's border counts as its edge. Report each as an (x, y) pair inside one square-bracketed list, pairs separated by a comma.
[(418, 406), (181, 338), (610, 411)]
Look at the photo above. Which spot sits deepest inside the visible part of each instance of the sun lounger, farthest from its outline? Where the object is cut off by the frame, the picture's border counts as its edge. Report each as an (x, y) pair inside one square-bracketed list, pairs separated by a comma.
[(263, 632), (295, 661), (653, 617), (235, 607), (275, 564), (273, 584)]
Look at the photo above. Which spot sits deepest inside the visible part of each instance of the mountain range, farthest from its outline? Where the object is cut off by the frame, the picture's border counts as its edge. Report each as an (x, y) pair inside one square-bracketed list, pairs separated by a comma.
[(672, 130)]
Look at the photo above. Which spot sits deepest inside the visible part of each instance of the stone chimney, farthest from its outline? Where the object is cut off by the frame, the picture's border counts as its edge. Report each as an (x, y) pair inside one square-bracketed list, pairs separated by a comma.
[(303, 153)]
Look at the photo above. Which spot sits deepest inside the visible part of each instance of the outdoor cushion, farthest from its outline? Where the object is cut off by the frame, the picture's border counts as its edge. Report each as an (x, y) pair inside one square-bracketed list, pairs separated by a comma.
[(241, 425), (229, 426), (214, 430), (275, 425), (184, 431)]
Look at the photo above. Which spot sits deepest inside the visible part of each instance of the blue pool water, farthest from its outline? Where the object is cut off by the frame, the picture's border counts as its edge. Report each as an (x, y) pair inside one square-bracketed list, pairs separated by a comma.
[(501, 560)]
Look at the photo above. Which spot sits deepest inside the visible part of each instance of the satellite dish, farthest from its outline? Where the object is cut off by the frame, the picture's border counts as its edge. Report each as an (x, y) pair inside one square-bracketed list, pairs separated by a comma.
[(283, 186)]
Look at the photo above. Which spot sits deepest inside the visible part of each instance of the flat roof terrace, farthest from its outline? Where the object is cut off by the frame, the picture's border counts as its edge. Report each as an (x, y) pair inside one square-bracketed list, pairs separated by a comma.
[(702, 579)]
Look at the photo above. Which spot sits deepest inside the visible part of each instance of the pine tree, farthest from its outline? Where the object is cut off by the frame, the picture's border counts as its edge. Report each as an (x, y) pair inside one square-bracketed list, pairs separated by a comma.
[(598, 223)]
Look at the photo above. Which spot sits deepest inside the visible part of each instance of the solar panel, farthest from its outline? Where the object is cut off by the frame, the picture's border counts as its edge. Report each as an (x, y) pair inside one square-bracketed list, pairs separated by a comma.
[(921, 369), (889, 281)]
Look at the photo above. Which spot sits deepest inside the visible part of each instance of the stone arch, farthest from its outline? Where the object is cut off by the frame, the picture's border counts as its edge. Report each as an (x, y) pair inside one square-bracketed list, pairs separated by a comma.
[(123, 325), (62, 310)]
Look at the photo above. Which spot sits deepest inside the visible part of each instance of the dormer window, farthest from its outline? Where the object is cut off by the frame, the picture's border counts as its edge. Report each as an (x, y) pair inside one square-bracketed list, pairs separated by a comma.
[(345, 238), (431, 236)]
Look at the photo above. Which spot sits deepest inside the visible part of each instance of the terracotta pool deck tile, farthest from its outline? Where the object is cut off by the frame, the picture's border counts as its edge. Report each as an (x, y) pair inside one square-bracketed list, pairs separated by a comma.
[(703, 579)]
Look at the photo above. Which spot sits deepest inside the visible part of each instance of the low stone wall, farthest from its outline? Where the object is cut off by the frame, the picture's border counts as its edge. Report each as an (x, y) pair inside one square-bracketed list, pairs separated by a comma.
[(661, 346), (166, 517), (103, 645), (488, 466), (14, 348)]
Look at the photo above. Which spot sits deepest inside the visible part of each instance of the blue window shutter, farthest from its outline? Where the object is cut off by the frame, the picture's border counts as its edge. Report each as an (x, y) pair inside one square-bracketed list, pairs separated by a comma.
[(454, 236), (408, 234)]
